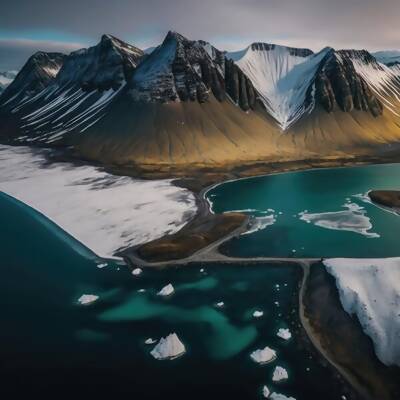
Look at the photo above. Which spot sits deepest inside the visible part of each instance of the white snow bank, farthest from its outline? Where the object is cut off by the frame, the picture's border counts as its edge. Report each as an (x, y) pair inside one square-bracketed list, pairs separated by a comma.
[(279, 396), (263, 356), (284, 333), (102, 211), (166, 290), (370, 288), (168, 348), (279, 374), (354, 219), (87, 299)]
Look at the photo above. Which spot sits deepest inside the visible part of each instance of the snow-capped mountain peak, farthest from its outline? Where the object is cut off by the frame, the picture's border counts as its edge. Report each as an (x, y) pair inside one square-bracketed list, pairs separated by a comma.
[(282, 76)]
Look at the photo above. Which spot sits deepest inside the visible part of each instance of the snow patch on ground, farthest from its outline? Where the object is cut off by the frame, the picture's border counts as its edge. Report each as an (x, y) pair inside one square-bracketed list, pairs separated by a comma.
[(370, 289), (104, 212), (354, 219)]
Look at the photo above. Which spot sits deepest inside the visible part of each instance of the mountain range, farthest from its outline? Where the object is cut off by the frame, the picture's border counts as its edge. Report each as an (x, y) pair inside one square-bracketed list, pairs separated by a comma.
[(187, 104), (6, 77)]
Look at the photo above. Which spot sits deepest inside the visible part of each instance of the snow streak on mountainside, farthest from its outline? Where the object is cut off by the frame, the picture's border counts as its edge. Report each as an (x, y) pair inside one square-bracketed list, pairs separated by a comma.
[(72, 94), (383, 80), (282, 76)]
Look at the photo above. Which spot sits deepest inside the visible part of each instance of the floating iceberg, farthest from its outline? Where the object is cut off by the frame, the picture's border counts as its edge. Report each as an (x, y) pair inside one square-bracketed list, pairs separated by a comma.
[(102, 265), (354, 219), (284, 334), (137, 271), (220, 304), (279, 396), (263, 356), (258, 314), (279, 374), (166, 290), (150, 341), (87, 299), (265, 391), (168, 348)]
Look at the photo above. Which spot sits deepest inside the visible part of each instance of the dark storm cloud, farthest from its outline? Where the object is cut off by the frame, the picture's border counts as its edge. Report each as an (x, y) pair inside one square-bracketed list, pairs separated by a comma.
[(228, 24)]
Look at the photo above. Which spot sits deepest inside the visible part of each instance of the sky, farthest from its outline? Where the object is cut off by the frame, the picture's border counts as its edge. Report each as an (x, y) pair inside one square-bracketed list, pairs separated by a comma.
[(27, 26)]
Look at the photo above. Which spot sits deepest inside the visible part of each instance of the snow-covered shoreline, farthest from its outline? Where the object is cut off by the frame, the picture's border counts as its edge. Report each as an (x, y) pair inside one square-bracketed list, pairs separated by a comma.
[(104, 212), (370, 289)]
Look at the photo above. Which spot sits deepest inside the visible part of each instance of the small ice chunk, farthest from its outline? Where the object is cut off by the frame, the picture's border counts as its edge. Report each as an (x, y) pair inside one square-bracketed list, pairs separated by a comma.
[(87, 299), (276, 303), (279, 396), (202, 270), (168, 348), (279, 374), (263, 356), (265, 391), (166, 290), (137, 271), (220, 304), (150, 341), (258, 314), (141, 290), (102, 265), (284, 333)]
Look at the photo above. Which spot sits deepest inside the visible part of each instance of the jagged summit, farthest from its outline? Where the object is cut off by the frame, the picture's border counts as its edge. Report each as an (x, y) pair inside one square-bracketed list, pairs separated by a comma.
[(185, 70), (188, 103)]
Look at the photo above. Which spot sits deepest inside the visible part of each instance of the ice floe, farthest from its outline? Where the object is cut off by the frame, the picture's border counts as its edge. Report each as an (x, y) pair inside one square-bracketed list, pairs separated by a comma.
[(168, 348), (166, 290), (260, 223), (150, 341), (106, 213), (258, 314), (102, 265), (353, 219), (137, 271), (370, 289), (220, 304), (284, 333), (265, 391), (263, 356), (279, 374), (86, 299), (279, 396)]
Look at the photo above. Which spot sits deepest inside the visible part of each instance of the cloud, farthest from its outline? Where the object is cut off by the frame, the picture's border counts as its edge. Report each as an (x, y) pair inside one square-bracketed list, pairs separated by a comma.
[(229, 24), (15, 52)]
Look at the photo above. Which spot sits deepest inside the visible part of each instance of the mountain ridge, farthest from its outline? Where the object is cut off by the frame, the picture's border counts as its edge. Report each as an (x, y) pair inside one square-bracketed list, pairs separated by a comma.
[(188, 103)]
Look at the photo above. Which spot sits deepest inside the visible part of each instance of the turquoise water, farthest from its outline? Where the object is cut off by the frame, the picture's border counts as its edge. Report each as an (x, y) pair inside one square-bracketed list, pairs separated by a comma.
[(317, 191), (52, 346)]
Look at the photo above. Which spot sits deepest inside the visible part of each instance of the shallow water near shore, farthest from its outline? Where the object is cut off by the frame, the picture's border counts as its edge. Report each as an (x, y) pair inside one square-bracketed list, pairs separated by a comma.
[(53, 345), (313, 213)]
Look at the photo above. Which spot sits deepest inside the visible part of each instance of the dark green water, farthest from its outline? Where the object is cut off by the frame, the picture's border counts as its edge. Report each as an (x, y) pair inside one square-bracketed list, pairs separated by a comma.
[(317, 191), (50, 345)]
